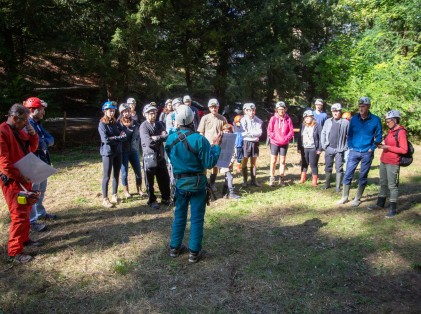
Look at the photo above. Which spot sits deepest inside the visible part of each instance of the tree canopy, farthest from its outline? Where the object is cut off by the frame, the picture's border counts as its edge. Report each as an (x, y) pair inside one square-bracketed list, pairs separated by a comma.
[(235, 50)]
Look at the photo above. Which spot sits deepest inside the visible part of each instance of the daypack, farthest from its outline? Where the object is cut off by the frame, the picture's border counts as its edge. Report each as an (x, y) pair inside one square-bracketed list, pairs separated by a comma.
[(405, 159)]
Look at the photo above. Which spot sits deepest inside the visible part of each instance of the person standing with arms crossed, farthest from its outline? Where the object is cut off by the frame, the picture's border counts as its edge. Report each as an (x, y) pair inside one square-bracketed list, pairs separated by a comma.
[(364, 134), (334, 142), (14, 145), (210, 126), (190, 154)]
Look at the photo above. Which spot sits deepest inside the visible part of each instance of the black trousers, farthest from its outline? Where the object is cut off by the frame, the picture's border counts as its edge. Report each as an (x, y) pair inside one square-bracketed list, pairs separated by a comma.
[(162, 178), (110, 163)]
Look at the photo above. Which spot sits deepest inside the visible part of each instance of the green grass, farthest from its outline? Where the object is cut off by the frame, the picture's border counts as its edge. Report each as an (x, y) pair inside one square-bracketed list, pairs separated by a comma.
[(288, 250)]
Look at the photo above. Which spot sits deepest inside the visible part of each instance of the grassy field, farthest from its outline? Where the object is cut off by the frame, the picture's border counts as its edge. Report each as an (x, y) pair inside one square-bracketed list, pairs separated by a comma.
[(277, 250)]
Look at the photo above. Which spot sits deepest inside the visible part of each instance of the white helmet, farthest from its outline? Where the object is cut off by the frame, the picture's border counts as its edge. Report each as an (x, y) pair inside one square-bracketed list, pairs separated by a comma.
[(308, 113), (176, 102), (149, 108), (364, 101), (123, 107), (184, 115), (318, 101), (186, 98), (131, 101), (249, 105), (336, 107), (393, 114), (213, 102), (280, 104)]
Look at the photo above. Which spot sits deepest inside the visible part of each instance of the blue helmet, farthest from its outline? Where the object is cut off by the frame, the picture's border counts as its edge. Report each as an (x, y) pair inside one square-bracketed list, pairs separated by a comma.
[(108, 105)]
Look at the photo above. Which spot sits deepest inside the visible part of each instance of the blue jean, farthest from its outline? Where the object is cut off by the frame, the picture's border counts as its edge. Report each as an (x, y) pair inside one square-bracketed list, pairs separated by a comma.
[(197, 202), (134, 159), (38, 210), (354, 159)]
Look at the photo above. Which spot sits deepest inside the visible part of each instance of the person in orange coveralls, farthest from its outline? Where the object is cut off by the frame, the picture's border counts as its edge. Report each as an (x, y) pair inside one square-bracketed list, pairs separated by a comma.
[(15, 143)]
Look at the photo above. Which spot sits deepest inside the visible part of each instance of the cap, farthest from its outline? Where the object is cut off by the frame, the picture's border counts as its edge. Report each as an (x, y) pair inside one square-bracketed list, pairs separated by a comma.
[(249, 105), (213, 102), (364, 101), (308, 113), (318, 101), (280, 104), (186, 98), (131, 101), (336, 107), (122, 107)]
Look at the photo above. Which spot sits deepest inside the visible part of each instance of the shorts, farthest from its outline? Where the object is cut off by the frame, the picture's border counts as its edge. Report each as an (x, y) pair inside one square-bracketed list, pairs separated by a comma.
[(281, 150), (250, 149)]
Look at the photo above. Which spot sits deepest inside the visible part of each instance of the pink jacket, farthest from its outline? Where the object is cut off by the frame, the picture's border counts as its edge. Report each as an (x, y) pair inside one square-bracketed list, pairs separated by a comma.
[(280, 131)]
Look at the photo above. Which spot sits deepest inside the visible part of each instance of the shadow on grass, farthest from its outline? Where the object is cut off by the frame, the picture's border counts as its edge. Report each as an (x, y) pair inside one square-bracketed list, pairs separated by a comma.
[(253, 265)]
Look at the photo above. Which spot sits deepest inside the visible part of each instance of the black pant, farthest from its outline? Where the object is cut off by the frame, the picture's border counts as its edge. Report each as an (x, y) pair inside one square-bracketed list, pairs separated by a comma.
[(162, 178), (109, 163), (309, 157)]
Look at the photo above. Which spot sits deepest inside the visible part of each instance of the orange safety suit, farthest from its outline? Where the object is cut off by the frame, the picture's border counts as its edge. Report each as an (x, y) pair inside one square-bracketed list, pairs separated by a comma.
[(10, 152)]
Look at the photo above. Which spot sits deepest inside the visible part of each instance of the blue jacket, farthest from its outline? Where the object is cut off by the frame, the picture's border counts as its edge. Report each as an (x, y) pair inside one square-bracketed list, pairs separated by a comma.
[(363, 135), (184, 161), (45, 140)]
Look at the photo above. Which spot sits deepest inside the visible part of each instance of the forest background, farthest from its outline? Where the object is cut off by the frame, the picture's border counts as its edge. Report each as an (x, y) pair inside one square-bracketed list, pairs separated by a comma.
[(237, 50)]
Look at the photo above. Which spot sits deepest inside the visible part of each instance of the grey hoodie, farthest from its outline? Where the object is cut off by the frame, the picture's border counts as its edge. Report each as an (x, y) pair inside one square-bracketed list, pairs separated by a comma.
[(342, 136)]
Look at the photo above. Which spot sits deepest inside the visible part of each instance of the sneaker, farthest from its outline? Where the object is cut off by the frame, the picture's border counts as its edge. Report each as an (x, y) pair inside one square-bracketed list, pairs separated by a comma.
[(195, 257), (49, 217), (106, 203), (154, 205), (31, 243), (37, 227), (19, 259), (115, 199), (177, 252)]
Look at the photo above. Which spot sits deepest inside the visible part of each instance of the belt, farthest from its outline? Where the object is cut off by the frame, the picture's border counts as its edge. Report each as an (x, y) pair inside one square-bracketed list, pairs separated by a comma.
[(185, 175)]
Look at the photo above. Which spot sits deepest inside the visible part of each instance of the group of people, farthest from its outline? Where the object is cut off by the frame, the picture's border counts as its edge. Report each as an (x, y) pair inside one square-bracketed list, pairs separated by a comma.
[(178, 148)]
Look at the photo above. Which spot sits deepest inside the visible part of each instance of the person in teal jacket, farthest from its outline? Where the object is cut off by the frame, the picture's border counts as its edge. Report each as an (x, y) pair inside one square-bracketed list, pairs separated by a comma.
[(190, 154)]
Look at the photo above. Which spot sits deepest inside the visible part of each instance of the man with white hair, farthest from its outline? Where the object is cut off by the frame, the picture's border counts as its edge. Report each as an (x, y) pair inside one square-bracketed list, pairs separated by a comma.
[(334, 142)]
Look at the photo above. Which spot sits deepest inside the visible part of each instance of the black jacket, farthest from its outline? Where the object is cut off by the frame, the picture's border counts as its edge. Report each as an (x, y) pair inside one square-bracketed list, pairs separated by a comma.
[(316, 136), (148, 144)]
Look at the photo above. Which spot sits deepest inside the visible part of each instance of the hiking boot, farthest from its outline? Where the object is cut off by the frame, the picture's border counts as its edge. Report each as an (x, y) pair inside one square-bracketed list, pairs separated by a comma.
[(303, 177), (19, 259), (178, 251), (282, 181), (254, 182), (271, 181), (154, 205), (315, 180), (231, 194), (49, 217), (31, 243), (115, 199), (194, 257), (392, 210), (379, 205), (245, 175), (345, 194), (126, 191), (106, 203), (327, 182), (357, 200), (37, 227), (165, 202)]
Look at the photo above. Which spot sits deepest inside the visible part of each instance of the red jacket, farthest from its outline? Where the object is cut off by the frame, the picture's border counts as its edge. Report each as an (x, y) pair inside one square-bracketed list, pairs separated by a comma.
[(280, 131), (391, 155), (11, 151)]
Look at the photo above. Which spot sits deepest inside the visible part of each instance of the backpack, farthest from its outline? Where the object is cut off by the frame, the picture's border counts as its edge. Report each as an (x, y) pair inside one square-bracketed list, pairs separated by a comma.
[(405, 159)]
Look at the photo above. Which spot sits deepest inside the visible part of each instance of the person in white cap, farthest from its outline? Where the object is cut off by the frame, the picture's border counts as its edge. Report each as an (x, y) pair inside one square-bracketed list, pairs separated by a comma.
[(210, 126), (395, 144), (187, 101), (170, 126), (319, 115), (252, 130), (132, 103), (334, 143)]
